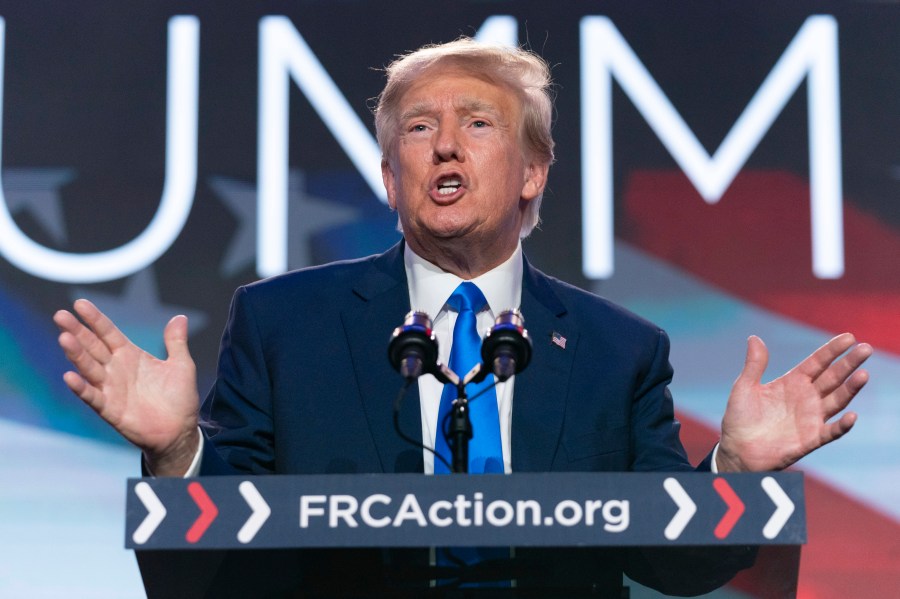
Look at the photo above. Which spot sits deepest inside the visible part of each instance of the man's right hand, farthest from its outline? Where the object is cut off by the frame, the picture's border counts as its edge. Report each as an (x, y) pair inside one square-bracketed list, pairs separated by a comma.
[(152, 403)]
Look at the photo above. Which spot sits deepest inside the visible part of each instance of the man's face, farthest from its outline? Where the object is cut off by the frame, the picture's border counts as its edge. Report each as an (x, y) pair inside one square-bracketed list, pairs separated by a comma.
[(457, 174)]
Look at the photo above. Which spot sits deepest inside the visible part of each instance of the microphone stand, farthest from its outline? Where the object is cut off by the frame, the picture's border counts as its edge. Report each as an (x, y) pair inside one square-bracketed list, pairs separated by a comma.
[(460, 431)]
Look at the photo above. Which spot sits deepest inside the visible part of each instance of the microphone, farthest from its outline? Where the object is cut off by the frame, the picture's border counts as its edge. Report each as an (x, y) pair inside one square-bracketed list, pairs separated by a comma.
[(506, 350), (413, 351), (413, 348)]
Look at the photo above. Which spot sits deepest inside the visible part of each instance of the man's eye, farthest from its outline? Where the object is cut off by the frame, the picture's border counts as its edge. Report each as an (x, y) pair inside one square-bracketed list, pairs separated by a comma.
[(479, 124), (417, 128)]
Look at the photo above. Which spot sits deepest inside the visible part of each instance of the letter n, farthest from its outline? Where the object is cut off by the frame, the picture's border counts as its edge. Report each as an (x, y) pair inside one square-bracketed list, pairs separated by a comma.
[(285, 56)]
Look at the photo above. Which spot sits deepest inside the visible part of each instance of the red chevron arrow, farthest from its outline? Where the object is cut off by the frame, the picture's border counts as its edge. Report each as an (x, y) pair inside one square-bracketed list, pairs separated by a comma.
[(208, 512), (735, 508)]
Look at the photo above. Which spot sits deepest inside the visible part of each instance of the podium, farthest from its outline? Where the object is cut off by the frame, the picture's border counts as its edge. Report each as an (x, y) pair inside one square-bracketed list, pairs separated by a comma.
[(296, 535)]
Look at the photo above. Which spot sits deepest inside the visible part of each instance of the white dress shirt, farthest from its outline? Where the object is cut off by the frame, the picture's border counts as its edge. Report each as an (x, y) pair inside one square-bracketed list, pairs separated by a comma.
[(429, 289)]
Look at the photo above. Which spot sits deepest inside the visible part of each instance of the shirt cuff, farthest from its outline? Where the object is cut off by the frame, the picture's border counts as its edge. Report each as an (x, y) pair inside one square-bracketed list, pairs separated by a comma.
[(194, 469), (712, 465)]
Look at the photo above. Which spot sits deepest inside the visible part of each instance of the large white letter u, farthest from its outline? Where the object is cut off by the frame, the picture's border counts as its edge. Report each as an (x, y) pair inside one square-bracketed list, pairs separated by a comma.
[(178, 188)]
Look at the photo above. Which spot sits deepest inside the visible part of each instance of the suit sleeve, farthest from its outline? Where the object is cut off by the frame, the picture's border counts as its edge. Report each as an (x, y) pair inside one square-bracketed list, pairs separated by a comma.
[(655, 442), (236, 416), (681, 571)]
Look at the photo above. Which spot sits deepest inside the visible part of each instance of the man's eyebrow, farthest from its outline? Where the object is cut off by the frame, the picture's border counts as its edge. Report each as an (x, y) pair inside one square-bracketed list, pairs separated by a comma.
[(477, 105), (465, 105), (416, 110)]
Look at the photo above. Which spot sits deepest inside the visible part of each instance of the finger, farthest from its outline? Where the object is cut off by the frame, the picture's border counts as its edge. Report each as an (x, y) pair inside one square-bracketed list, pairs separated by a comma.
[(102, 326), (844, 394), (175, 336), (88, 366), (755, 362), (835, 375), (819, 360), (88, 394), (835, 430), (67, 322)]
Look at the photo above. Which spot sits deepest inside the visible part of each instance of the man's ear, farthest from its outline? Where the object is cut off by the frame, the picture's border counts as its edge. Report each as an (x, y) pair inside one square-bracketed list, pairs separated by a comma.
[(387, 176), (535, 180)]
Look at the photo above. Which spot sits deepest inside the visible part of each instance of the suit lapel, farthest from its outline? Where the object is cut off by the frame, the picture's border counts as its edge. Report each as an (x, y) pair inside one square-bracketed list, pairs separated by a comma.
[(383, 302), (540, 391)]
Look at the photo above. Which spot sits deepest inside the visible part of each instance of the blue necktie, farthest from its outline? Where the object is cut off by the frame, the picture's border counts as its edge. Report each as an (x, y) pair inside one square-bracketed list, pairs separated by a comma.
[(485, 451)]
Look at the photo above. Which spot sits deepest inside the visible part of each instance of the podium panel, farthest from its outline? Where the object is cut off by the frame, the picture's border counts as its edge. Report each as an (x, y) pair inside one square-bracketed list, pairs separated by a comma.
[(413, 510)]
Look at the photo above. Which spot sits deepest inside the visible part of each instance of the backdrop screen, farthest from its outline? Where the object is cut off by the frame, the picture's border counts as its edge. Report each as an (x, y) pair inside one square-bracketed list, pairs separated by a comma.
[(723, 169)]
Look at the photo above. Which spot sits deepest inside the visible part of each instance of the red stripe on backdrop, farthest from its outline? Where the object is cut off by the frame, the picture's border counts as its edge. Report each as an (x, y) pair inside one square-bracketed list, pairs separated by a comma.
[(853, 549), (755, 243)]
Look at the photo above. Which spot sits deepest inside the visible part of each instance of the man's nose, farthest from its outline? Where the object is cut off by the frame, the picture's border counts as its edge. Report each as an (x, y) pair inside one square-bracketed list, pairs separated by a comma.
[(448, 145)]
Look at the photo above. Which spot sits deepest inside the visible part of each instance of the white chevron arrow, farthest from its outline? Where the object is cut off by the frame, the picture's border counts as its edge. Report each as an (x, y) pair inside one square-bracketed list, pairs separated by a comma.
[(784, 507), (686, 509), (261, 512), (156, 512)]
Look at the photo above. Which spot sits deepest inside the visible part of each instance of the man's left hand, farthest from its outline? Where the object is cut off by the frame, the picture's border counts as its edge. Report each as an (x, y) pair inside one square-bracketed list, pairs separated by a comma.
[(770, 426)]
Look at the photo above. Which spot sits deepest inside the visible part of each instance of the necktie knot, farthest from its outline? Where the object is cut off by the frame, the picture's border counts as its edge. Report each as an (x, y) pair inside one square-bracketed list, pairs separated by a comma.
[(467, 296), (467, 300)]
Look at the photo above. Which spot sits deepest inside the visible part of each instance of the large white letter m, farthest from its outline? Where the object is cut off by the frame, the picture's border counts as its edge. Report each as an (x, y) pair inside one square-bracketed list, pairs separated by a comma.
[(813, 52)]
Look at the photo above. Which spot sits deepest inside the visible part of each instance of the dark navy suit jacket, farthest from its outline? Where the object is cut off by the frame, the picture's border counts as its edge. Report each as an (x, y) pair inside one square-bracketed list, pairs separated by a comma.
[(305, 386)]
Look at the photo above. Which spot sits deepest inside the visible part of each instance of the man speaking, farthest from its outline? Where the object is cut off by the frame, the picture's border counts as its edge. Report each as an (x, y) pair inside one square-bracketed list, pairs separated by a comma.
[(304, 386)]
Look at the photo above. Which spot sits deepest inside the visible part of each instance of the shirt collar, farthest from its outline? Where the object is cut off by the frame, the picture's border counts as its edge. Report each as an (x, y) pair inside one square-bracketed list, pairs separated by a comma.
[(429, 286)]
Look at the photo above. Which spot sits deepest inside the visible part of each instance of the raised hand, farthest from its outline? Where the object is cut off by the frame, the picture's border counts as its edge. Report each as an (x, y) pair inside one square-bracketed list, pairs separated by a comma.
[(771, 426), (152, 403)]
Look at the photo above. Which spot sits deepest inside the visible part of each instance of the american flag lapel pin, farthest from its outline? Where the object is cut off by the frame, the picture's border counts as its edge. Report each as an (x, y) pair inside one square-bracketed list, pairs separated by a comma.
[(558, 340)]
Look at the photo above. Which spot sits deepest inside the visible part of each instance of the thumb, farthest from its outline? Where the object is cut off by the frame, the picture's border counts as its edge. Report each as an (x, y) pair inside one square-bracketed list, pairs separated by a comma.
[(175, 336), (755, 363)]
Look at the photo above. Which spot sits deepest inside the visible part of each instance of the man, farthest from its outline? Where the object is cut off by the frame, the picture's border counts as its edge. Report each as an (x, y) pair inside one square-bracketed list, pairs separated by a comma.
[(303, 386)]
